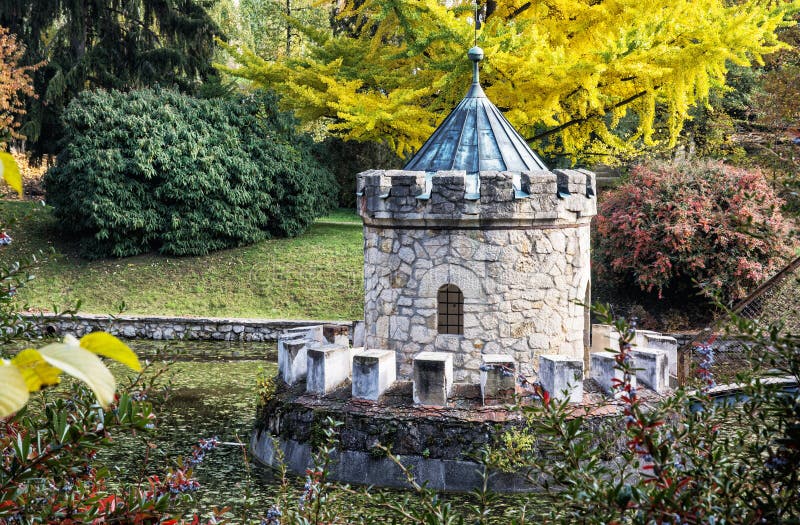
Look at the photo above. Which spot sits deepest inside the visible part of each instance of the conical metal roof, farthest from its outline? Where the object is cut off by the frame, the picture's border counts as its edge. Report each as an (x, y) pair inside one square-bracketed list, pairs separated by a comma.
[(475, 137)]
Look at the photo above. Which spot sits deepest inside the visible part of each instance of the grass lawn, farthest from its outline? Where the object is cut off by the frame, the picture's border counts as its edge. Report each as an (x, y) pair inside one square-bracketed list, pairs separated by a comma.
[(318, 275)]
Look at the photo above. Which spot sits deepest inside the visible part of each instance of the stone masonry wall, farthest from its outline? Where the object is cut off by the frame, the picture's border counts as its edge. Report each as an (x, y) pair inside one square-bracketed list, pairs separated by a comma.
[(519, 254), (164, 327), (519, 289)]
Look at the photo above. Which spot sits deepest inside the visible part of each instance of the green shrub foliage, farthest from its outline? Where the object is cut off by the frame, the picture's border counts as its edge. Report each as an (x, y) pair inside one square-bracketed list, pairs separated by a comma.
[(159, 170), (347, 158), (671, 225)]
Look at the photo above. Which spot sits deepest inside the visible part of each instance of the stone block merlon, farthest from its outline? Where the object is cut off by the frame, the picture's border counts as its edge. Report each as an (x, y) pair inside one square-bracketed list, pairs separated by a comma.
[(329, 365), (373, 372), (652, 369), (433, 378), (528, 194), (293, 346), (654, 357), (604, 371), (562, 377), (498, 379)]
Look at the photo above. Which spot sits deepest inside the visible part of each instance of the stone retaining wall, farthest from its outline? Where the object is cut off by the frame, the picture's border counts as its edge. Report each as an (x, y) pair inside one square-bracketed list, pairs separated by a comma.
[(164, 327), (204, 328)]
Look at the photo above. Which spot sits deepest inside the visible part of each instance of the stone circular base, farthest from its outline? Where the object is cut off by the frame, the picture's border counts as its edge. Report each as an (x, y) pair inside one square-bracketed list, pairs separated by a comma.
[(362, 468), (439, 444)]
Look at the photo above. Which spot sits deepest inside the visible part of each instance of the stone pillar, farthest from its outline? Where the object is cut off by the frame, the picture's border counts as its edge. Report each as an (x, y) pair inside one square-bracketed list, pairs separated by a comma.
[(373, 372), (328, 367), (433, 378), (562, 377)]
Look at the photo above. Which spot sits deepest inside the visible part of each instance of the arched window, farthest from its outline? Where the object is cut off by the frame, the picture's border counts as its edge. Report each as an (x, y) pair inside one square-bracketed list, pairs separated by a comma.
[(451, 310)]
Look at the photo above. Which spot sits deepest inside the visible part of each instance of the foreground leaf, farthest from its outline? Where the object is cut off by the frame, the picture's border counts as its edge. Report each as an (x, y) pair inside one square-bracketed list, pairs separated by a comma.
[(106, 345), (82, 364), (10, 172), (35, 370), (15, 392)]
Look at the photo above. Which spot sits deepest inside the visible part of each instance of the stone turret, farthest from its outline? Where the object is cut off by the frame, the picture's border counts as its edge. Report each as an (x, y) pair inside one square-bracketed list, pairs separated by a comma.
[(476, 258), (476, 248)]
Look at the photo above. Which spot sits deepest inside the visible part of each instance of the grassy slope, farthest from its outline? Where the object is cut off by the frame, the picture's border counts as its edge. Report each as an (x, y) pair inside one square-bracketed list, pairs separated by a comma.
[(315, 276)]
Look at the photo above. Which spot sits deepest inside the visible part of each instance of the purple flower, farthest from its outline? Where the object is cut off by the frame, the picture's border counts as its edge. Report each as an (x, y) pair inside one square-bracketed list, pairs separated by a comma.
[(273, 516), (775, 463), (139, 395)]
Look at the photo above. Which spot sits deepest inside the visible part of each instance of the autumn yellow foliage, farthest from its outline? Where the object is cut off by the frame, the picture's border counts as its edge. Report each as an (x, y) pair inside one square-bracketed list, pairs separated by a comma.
[(31, 370), (565, 72)]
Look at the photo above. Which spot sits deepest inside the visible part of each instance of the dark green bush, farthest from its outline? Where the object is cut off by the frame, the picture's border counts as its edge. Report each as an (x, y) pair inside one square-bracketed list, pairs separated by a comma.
[(159, 170), (347, 158)]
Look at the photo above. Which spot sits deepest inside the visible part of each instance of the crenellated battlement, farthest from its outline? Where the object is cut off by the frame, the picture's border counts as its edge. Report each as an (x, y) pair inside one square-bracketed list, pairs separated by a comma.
[(560, 196)]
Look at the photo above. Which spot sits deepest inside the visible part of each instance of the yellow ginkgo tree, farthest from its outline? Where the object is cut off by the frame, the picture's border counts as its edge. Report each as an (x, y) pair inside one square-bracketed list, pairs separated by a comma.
[(31, 370), (576, 77)]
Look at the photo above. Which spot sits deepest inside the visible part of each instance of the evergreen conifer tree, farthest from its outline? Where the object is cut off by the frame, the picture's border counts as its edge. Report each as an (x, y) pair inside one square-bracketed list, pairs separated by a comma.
[(110, 44)]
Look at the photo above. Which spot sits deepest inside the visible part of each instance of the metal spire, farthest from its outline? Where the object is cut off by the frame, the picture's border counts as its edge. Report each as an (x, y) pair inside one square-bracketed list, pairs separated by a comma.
[(476, 54), (475, 136), (477, 23)]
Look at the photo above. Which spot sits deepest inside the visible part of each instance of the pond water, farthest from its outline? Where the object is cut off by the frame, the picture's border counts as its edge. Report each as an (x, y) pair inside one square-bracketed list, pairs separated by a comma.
[(212, 393)]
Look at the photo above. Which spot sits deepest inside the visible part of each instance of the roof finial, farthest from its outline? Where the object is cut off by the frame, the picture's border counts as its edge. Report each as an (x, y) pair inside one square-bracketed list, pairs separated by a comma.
[(476, 55)]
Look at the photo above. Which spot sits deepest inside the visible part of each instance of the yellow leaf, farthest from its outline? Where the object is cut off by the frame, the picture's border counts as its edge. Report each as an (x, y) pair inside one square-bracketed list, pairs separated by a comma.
[(83, 365), (15, 393), (106, 345), (35, 370), (10, 172)]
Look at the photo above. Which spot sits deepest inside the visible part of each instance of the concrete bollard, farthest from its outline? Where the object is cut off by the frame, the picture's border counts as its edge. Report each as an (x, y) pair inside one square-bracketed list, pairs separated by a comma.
[(656, 341), (603, 371), (652, 370), (329, 366), (560, 374), (604, 336), (433, 378), (498, 378), (373, 372), (292, 352)]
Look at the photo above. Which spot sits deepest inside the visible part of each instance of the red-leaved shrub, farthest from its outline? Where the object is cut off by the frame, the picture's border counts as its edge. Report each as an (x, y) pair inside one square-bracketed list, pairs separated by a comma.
[(672, 224)]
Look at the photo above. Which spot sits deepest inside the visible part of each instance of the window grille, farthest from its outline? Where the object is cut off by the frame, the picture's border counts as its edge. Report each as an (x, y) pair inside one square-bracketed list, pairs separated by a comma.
[(451, 310)]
